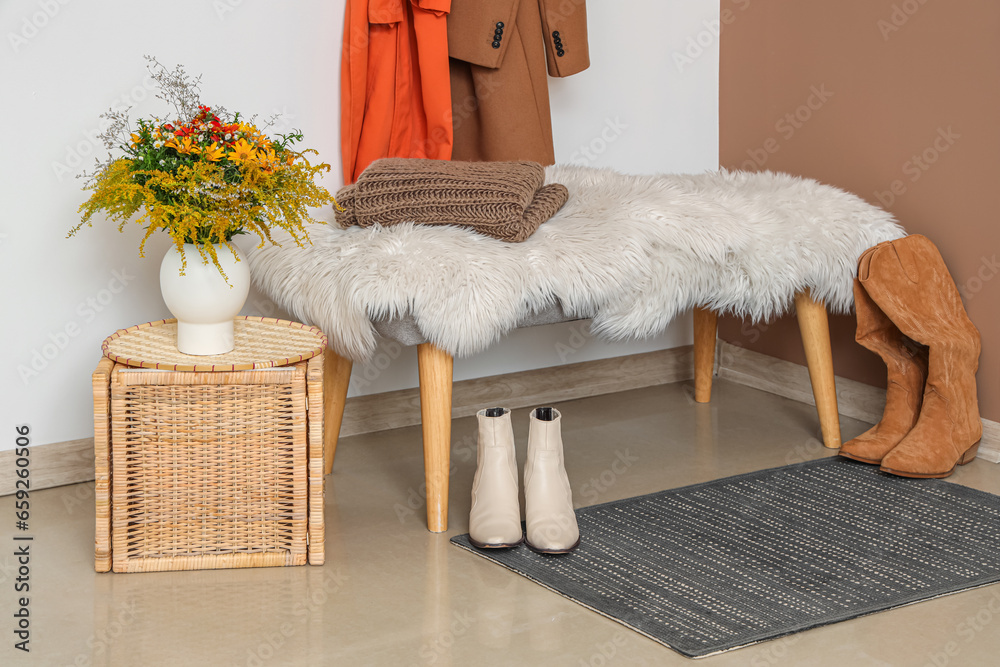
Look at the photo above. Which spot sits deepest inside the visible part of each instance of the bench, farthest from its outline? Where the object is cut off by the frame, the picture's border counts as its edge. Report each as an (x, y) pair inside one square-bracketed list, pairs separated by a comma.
[(628, 252)]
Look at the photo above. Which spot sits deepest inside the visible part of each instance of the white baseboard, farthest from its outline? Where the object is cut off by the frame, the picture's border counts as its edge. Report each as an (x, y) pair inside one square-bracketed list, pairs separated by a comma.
[(395, 409), (854, 399), (73, 461), (70, 462), (989, 446), (51, 465)]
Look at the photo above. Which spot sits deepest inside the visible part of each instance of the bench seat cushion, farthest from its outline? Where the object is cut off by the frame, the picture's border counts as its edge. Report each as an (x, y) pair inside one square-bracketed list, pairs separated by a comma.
[(406, 331), (631, 252)]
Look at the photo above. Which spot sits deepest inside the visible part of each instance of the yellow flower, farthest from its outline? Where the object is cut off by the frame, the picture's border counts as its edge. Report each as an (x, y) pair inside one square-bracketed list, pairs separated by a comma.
[(242, 151), (214, 153), (136, 139), (186, 145), (266, 157)]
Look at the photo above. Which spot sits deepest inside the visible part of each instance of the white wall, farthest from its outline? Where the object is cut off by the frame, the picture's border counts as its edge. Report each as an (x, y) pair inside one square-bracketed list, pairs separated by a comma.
[(62, 63)]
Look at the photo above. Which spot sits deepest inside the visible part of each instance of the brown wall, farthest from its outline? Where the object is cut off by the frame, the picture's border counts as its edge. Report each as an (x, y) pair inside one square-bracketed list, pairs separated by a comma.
[(888, 81)]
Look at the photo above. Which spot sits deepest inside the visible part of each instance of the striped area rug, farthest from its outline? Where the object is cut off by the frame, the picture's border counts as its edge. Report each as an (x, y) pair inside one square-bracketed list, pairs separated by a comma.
[(721, 565)]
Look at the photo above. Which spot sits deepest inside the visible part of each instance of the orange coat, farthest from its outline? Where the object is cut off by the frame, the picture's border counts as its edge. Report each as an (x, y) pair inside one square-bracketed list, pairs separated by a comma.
[(395, 89)]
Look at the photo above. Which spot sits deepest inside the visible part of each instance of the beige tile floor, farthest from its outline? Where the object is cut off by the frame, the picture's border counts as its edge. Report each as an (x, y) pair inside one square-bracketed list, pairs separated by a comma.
[(393, 594)]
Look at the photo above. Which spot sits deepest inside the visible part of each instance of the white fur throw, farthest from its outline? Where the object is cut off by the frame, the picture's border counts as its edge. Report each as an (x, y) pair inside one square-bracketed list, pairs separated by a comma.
[(631, 252)]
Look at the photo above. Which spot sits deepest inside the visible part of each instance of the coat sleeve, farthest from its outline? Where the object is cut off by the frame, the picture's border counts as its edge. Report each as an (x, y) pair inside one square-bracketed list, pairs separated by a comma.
[(477, 30), (564, 24)]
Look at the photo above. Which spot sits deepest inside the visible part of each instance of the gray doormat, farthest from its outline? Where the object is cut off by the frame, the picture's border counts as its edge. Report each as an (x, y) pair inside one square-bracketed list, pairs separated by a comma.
[(725, 564)]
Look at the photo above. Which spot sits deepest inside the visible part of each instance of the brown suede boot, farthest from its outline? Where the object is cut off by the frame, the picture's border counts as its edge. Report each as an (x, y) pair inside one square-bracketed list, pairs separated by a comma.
[(909, 281), (906, 363)]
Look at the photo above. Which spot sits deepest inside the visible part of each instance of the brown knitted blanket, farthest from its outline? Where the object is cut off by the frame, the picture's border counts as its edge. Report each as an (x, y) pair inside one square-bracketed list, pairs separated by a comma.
[(505, 200)]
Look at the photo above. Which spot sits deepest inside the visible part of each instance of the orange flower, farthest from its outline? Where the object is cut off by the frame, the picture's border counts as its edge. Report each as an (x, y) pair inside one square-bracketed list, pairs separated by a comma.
[(213, 153), (268, 160), (187, 145)]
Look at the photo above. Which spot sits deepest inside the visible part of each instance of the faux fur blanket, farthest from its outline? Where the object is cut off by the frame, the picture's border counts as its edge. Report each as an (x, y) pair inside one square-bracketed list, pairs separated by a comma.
[(632, 252)]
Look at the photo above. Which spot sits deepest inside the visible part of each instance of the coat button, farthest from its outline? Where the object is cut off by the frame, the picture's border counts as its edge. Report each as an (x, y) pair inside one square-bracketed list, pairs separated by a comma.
[(555, 33), (496, 45), (500, 24), (498, 32), (560, 53)]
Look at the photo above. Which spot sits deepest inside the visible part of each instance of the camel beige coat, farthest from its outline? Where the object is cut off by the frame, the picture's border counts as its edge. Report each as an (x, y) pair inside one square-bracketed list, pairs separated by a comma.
[(500, 96)]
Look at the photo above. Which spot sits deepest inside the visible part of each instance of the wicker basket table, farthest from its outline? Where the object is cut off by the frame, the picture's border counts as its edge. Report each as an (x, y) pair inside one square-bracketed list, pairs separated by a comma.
[(209, 462)]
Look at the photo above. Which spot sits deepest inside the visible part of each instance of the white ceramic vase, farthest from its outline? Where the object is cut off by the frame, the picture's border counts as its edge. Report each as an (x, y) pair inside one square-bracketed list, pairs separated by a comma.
[(201, 300)]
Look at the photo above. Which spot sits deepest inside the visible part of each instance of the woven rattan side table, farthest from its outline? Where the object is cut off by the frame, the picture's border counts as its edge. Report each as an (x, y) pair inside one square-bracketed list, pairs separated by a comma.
[(209, 462)]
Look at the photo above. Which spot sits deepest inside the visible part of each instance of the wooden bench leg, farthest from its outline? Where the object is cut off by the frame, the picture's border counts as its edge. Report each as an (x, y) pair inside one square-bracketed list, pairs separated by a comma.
[(815, 330), (336, 378), (706, 324), (435, 369)]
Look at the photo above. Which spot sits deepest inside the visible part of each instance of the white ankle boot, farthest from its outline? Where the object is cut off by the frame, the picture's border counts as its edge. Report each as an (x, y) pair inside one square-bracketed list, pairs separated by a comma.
[(548, 498), (495, 519)]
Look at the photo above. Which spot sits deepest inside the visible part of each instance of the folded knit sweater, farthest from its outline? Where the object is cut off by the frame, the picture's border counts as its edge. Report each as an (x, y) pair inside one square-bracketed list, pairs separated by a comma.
[(505, 200)]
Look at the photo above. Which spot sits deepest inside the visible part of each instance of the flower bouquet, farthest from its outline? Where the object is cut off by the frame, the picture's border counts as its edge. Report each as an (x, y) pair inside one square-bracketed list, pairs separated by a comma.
[(203, 177)]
